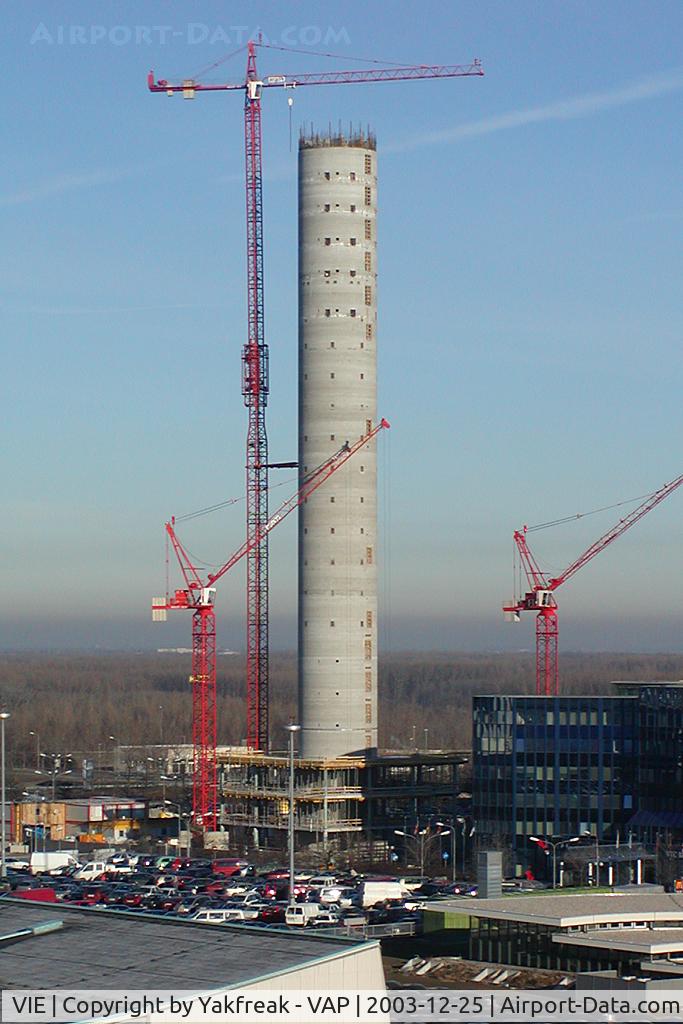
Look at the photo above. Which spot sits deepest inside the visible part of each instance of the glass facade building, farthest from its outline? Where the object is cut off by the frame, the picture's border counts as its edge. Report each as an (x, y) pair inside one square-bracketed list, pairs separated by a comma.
[(660, 757), (553, 766), (562, 766)]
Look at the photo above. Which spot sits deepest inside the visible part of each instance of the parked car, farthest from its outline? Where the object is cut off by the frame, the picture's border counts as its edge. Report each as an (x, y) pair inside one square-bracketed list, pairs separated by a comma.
[(325, 919), (231, 866), (338, 894), (190, 906), (91, 871), (209, 915), (273, 913)]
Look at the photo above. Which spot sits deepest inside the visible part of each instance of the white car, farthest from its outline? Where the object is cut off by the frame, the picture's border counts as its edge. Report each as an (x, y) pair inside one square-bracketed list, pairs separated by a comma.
[(318, 881), (235, 888), (339, 895), (325, 918), (244, 913), (206, 916)]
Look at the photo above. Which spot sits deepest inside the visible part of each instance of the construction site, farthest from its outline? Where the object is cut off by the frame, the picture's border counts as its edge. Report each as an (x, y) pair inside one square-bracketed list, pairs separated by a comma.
[(334, 783), (340, 784)]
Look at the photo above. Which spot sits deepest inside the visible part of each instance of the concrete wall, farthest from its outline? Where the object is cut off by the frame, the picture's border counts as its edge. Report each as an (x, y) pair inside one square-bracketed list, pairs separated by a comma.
[(359, 968), (338, 403)]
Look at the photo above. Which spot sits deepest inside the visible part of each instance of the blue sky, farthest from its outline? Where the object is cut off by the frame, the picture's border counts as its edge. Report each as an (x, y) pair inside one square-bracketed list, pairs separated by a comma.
[(530, 315)]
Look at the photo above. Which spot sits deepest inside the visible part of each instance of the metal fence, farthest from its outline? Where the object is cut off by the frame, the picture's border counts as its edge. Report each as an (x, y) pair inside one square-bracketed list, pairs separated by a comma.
[(373, 931)]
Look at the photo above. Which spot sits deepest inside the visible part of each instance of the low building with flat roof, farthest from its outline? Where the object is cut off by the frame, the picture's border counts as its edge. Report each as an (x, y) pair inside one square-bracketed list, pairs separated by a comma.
[(84, 948), (625, 932)]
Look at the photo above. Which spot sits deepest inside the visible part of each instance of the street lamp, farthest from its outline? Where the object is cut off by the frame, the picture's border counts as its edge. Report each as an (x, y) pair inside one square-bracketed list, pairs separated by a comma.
[(170, 803), (554, 846), (4, 715), (37, 736), (454, 853), (465, 835), (55, 771), (422, 841), (292, 730)]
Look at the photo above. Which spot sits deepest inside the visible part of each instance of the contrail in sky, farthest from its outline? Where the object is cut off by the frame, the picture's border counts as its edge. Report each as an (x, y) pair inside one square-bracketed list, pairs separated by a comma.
[(571, 109)]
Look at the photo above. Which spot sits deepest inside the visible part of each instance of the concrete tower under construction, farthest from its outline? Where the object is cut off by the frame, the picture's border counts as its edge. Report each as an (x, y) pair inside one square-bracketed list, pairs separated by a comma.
[(338, 403)]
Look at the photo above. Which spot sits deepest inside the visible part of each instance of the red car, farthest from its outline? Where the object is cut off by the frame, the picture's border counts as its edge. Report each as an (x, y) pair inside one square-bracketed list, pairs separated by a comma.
[(180, 864), (216, 888), (274, 914), (230, 866)]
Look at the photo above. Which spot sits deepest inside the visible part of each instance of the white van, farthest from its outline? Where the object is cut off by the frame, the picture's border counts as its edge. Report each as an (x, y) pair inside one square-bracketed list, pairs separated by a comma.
[(302, 914), (92, 870)]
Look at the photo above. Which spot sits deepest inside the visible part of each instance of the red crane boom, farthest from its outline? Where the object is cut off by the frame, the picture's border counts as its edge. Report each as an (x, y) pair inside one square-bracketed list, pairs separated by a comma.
[(255, 353), (540, 596), (198, 596)]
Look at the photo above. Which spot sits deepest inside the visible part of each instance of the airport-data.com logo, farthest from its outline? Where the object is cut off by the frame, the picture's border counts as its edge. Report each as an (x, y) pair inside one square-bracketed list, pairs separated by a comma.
[(193, 33)]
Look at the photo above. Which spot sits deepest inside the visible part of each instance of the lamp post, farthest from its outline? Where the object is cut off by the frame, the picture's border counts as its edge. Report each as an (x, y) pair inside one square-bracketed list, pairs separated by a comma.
[(37, 736), (453, 847), (422, 841), (4, 715), (554, 847), (587, 834), (465, 835), (170, 803), (292, 730), (56, 770)]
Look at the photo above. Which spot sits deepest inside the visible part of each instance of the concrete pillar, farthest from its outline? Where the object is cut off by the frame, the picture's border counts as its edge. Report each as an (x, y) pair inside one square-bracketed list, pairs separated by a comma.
[(338, 403)]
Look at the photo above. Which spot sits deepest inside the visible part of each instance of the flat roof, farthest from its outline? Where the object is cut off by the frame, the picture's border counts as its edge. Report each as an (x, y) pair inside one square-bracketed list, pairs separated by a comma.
[(107, 949), (650, 941), (570, 910)]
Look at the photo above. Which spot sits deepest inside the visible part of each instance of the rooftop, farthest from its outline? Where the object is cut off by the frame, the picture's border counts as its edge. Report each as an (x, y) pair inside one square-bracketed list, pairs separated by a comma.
[(109, 950), (361, 138), (568, 911), (644, 941)]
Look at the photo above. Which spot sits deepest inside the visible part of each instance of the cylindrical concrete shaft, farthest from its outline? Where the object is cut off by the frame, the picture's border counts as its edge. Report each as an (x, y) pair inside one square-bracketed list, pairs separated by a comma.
[(338, 403)]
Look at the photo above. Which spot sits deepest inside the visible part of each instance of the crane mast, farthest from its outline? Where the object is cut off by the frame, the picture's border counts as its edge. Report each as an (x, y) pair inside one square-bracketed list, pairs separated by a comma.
[(255, 391), (540, 597), (198, 596)]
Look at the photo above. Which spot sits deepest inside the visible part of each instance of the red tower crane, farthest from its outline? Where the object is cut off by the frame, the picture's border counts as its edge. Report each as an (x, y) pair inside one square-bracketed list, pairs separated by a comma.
[(540, 597), (255, 352), (198, 596)]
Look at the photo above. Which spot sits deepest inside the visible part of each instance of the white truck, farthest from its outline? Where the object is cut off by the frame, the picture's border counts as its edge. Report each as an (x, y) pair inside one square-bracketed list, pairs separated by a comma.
[(51, 861), (371, 893)]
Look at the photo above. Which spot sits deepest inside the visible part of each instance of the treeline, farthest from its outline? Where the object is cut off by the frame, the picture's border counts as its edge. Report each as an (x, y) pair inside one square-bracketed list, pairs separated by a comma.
[(77, 702)]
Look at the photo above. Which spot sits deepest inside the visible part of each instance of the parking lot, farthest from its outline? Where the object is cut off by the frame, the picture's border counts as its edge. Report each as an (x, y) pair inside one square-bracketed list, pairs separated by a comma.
[(231, 890)]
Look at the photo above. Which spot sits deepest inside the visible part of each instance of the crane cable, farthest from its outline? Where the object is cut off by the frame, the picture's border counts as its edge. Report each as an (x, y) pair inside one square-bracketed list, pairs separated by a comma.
[(217, 63), (339, 56), (294, 49), (582, 515), (224, 504)]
